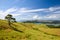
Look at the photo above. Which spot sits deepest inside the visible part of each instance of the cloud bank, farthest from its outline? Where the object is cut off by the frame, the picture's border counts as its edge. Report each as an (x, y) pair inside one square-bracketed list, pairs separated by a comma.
[(32, 14)]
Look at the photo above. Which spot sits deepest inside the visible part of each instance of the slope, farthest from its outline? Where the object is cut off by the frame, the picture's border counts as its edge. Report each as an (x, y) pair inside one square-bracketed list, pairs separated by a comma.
[(30, 31)]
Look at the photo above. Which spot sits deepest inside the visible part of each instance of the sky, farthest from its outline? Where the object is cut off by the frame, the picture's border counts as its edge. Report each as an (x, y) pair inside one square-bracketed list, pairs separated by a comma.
[(30, 9)]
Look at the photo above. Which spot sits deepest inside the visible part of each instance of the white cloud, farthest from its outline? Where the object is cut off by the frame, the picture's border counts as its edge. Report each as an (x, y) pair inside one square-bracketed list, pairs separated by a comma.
[(35, 16), (10, 10), (2, 14), (51, 9), (16, 15), (53, 16), (24, 10), (54, 8), (57, 12)]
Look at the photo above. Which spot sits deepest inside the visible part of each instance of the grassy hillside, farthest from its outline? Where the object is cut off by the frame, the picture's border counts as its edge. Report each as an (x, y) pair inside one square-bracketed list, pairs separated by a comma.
[(27, 31)]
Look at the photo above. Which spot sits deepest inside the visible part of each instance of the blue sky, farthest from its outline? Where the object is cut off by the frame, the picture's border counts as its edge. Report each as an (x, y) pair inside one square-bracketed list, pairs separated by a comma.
[(31, 9)]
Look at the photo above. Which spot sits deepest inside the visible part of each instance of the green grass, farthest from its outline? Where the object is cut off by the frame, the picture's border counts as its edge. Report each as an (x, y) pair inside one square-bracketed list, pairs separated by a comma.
[(30, 31)]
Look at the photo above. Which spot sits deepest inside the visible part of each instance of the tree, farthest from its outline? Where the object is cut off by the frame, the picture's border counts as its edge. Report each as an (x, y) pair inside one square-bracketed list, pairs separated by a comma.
[(9, 18)]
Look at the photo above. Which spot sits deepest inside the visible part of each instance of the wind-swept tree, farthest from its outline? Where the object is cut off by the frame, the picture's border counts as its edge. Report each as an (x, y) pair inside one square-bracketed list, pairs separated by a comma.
[(10, 18)]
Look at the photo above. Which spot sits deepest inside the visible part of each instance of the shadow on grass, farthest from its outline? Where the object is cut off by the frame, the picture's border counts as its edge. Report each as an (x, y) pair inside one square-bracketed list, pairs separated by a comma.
[(52, 26), (15, 29)]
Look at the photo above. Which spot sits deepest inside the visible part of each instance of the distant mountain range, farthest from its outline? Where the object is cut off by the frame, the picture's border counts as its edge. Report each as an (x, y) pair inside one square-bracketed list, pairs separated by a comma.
[(42, 21)]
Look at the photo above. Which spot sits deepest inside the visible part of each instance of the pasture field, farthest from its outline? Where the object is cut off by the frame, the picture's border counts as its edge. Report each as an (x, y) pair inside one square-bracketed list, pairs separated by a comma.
[(27, 31)]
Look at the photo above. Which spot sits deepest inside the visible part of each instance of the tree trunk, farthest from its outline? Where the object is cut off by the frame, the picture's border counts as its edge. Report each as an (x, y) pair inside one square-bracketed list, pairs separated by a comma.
[(9, 22)]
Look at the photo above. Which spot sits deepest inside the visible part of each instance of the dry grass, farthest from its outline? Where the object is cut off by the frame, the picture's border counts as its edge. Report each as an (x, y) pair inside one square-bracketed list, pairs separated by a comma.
[(30, 31)]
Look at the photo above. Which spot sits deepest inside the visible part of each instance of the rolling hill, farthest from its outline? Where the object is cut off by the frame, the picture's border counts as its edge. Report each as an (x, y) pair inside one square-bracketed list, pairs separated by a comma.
[(27, 31)]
